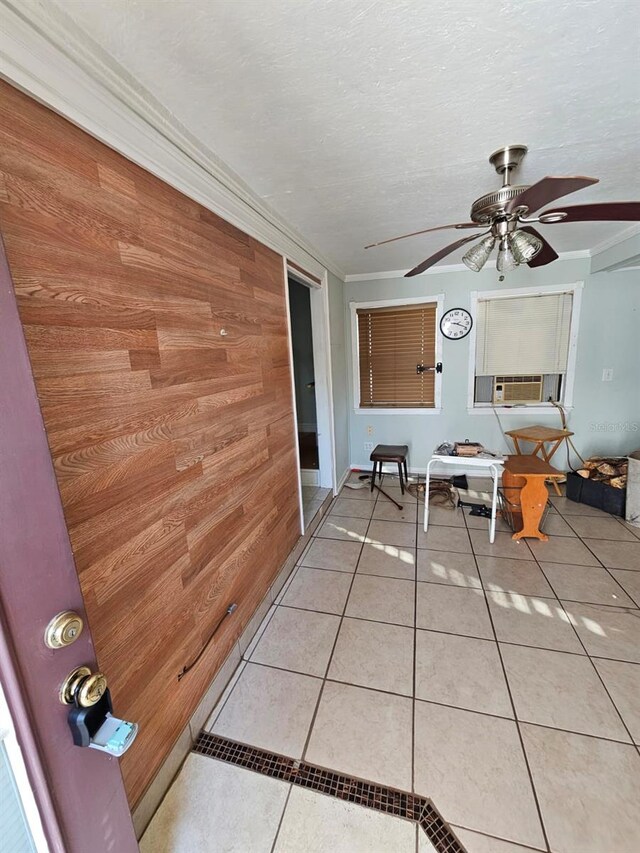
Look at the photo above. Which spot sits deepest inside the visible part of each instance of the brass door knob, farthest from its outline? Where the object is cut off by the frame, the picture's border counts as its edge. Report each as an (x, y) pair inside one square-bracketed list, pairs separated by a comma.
[(64, 629), (91, 690), (71, 683), (83, 687)]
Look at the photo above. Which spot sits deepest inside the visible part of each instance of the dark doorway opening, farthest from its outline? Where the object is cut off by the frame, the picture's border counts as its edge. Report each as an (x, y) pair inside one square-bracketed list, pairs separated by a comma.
[(304, 375)]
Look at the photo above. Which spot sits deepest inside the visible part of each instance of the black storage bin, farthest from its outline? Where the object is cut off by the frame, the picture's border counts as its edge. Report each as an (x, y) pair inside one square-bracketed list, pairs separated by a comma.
[(599, 495)]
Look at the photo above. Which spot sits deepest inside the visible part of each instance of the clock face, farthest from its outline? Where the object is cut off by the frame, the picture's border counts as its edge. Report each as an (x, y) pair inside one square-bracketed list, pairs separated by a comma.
[(456, 323)]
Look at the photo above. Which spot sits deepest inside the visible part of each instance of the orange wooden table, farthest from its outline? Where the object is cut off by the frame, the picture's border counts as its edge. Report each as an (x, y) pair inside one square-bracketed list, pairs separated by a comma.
[(527, 474), (540, 436)]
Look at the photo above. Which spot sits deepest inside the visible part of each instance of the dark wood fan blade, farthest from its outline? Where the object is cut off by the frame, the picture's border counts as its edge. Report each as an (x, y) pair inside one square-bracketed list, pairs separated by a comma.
[(609, 211), (547, 253), (425, 231), (441, 254), (546, 191)]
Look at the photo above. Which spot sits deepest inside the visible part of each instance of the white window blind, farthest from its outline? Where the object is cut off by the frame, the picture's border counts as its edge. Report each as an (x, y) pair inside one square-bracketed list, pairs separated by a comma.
[(392, 341), (523, 335)]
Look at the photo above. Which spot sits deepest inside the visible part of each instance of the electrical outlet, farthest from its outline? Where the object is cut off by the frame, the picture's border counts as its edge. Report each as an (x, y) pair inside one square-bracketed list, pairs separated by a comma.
[(369, 430), (368, 447), (607, 374)]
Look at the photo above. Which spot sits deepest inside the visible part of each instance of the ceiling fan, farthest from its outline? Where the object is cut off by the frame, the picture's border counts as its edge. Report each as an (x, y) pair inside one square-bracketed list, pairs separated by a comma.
[(507, 213)]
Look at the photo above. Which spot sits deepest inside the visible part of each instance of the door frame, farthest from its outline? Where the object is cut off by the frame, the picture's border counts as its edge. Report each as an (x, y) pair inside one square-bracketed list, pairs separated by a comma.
[(320, 331), (79, 792)]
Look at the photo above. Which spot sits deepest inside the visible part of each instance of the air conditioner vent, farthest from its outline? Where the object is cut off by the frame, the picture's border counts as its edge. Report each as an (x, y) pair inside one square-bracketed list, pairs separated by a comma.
[(517, 389)]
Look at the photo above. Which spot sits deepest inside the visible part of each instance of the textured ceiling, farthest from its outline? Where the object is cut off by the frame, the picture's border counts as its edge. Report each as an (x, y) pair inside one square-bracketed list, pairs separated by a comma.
[(358, 120)]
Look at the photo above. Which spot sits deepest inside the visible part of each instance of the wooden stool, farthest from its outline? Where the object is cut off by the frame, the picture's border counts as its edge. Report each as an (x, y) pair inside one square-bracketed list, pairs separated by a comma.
[(390, 453), (529, 473)]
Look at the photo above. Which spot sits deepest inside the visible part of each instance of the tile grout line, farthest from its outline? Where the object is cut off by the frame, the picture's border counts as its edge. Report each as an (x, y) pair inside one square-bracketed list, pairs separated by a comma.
[(255, 640), (445, 704), (415, 647), (595, 668), (515, 715), (458, 634), (579, 638), (280, 822), (606, 568), (335, 641), (586, 651), (525, 847)]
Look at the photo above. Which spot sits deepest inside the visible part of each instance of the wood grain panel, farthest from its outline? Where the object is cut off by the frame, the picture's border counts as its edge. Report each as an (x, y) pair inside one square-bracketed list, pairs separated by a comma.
[(173, 445)]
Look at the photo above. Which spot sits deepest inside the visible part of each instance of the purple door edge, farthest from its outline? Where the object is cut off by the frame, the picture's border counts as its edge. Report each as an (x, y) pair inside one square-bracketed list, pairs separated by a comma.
[(79, 791)]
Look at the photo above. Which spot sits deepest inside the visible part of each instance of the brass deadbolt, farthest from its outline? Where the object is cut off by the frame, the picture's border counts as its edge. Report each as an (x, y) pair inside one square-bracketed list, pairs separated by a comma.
[(63, 630), (83, 687)]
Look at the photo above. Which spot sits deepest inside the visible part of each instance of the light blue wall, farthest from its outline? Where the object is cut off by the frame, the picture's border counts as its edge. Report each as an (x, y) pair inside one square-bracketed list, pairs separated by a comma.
[(606, 415), (339, 373)]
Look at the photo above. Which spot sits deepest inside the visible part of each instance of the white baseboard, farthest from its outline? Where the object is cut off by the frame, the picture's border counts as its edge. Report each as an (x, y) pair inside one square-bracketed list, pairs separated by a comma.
[(387, 468), (392, 468)]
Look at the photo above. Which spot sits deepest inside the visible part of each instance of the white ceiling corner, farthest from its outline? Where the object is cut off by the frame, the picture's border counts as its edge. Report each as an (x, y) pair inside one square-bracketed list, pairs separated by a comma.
[(356, 120)]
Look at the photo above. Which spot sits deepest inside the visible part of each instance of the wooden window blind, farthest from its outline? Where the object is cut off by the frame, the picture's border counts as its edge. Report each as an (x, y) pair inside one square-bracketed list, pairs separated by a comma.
[(523, 335), (391, 343)]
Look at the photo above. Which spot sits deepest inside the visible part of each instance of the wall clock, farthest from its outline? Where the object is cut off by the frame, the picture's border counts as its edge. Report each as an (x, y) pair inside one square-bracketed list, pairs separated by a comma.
[(456, 323)]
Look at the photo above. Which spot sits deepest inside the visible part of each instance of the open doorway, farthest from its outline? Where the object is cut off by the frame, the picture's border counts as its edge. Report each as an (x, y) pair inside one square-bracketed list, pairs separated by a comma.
[(309, 400), (304, 380)]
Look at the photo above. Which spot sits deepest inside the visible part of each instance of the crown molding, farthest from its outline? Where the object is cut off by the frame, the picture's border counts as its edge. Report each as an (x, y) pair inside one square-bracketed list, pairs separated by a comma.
[(387, 274), (578, 254), (631, 231), (46, 55)]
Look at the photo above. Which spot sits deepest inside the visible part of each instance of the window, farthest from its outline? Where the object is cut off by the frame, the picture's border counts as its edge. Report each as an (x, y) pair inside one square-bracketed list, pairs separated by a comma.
[(395, 340), (523, 347)]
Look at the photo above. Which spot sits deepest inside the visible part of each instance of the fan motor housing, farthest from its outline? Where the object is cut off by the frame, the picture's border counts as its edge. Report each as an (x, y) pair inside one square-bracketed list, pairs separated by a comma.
[(485, 208)]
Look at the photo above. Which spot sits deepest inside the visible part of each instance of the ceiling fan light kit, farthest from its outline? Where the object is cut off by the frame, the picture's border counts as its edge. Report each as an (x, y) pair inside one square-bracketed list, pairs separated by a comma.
[(506, 260), (524, 246), (508, 214), (477, 256)]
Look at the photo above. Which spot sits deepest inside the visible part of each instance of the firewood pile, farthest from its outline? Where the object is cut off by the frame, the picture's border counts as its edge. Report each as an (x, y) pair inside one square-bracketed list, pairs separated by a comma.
[(611, 471)]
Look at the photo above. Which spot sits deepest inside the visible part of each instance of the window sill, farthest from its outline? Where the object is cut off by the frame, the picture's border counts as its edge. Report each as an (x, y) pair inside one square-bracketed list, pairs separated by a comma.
[(381, 411), (516, 410)]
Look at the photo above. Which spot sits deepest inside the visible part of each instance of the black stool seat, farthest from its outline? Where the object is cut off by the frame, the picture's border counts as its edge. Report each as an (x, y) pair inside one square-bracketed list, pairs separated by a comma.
[(390, 453)]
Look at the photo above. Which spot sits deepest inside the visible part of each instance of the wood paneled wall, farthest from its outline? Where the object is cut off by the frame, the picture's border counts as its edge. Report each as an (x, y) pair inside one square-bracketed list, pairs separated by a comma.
[(173, 443)]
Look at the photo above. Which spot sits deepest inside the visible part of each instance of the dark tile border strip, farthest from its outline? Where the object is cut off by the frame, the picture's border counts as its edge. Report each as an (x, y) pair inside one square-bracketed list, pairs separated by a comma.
[(387, 800)]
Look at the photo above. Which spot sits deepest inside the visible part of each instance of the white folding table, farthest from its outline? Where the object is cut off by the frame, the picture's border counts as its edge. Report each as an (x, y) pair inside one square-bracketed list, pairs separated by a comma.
[(492, 464)]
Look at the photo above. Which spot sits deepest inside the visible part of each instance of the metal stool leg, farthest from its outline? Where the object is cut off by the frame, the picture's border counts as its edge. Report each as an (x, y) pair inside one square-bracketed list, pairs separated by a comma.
[(426, 497), (406, 475), (401, 478), (373, 475)]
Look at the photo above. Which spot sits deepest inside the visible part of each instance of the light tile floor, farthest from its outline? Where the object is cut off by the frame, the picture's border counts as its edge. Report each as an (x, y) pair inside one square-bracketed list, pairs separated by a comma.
[(501, 681), (312, 499)]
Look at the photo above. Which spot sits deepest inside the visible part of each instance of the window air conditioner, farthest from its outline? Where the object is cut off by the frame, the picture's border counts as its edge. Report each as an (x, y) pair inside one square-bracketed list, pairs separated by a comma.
[(517, 389)]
